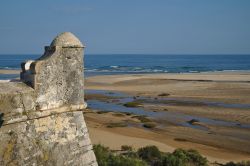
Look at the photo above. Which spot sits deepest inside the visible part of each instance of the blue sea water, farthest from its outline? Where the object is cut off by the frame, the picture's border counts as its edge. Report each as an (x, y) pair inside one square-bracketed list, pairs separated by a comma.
[(139, 63)]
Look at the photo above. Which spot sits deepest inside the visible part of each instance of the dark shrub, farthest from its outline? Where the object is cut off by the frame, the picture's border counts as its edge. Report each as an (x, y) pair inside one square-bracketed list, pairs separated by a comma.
[(171, 160), (126, 148), (105, 157), (152, 156), (195, 158), (149, 153), (183, 157), (120, 160), (102, 154), (118, 124), (243, 163)]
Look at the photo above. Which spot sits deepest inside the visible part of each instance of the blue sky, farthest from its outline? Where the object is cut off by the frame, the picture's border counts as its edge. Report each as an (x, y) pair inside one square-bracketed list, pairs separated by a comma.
[(128, 26)]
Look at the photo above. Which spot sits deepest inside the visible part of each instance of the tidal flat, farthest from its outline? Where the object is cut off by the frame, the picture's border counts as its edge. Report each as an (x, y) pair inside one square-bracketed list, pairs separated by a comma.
[(209, 112)]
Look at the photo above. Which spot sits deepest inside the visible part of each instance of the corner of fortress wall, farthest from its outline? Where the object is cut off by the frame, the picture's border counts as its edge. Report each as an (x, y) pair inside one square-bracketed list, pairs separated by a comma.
[(41, 115)]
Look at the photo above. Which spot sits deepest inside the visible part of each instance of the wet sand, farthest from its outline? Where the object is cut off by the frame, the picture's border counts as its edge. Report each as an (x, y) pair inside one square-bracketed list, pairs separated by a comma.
[(219, 86), (219, 143), (2, 71)]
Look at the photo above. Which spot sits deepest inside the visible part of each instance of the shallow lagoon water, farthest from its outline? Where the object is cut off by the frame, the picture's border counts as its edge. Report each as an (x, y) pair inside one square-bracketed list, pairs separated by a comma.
[(176, 118), (8, 76)]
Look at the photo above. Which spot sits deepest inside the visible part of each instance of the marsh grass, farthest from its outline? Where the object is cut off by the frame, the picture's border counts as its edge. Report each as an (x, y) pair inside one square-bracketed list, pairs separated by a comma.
[(117, 124), (163, 94), (180, 139), (149, 125), (132, 104), (142, 118)]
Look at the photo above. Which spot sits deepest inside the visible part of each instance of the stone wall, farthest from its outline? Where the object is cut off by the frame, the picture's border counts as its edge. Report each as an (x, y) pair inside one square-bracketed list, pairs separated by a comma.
[(42, 114)]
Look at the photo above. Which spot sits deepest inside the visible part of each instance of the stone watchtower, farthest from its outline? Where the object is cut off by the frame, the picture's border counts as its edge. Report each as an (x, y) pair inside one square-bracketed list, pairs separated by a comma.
[(57, 76), (43, 122)]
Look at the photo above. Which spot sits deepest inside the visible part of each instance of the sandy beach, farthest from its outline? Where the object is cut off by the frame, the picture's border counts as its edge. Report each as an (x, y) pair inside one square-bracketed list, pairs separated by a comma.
[(219, 100)]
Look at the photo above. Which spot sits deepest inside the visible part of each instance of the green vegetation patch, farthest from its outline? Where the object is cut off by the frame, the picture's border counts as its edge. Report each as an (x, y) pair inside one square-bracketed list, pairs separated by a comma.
[(132, 104), (105, 157), (102, 112), (118, 124), (100, 97), (184, 157), (242, 163), (142, 118), (149, 155), (149, 125)]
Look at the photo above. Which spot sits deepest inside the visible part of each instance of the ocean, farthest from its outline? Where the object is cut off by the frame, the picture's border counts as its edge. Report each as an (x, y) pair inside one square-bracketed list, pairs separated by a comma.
[(140, 63)]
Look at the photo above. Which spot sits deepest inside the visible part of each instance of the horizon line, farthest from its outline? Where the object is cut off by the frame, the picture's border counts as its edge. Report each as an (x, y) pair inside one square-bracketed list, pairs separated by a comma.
[(136, 54)]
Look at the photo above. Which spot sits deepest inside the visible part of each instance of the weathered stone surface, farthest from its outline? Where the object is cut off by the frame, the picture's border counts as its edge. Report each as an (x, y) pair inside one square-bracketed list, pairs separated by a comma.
[(60, 139), (67, 39), (57, 76), (43, 119), (16, 101)]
